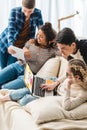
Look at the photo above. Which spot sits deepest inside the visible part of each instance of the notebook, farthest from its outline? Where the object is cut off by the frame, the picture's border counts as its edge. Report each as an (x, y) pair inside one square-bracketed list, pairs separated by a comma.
[(33, 83)]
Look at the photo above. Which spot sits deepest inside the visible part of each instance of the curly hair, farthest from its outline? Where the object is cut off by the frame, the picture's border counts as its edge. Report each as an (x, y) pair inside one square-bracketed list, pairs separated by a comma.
[(78, 67), (50, 34)]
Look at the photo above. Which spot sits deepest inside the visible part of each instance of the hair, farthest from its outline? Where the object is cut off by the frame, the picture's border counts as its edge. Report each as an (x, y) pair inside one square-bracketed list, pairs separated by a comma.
[(78, 67), (28, 3), (50, 33), (66, 36)]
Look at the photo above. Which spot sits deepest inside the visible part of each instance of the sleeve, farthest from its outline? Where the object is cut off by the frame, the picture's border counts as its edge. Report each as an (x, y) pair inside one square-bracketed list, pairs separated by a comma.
[(27, 45), (39, 19), (70, 103), (62, 78), (12, 33)]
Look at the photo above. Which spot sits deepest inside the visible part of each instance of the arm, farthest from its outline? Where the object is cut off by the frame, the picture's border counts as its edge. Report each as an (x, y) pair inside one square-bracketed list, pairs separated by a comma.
[(26, 49), (54, 84), (11, 28), (15, 24), (39, 19), (69, 102), (49, 87)]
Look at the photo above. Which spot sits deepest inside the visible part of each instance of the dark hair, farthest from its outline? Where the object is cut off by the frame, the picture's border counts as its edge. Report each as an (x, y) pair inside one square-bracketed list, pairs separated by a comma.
[(66, 36), (50, 33), (28, 3)]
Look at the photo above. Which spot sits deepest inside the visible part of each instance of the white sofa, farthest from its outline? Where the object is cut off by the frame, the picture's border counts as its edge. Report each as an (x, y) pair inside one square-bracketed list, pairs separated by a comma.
[(15, 117)]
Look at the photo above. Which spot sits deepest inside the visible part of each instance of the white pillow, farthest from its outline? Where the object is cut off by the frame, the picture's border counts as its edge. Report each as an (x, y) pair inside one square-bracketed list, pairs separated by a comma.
[(45, 109), (50, 68), (49, 108)]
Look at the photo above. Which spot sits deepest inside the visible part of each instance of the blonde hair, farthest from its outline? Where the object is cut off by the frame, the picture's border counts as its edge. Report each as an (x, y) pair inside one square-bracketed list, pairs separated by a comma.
[(78, 67)]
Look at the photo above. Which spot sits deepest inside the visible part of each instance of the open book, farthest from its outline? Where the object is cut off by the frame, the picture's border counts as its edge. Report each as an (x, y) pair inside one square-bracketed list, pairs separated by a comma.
[(19, 53)]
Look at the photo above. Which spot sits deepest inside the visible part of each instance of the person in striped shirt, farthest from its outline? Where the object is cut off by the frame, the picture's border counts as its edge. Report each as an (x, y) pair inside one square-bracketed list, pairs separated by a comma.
[(21, 27)]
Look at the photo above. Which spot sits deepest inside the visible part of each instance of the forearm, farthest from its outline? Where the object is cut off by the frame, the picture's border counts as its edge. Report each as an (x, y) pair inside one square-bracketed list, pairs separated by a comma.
[(61, 78), (70, 103), (12, 30)]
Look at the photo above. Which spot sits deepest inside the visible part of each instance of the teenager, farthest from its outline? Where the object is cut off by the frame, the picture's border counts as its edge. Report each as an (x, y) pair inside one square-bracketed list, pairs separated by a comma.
[(36, 54), (21, 27), (73, 90), (70, 46)]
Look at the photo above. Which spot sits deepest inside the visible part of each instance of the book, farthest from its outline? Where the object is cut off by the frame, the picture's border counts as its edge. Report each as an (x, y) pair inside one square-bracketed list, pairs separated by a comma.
[(19, 53)]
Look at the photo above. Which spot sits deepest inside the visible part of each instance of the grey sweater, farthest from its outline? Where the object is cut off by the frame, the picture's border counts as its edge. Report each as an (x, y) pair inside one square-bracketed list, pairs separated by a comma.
[(39, 56)]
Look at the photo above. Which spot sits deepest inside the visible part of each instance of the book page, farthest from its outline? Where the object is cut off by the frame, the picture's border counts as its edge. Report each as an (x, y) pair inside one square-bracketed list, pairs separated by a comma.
[(19, 53)]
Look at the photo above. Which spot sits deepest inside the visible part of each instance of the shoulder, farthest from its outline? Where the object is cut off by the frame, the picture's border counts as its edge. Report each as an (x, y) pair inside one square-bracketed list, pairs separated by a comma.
[(37, 11), (16, 9), (82, 43), (17, 13)]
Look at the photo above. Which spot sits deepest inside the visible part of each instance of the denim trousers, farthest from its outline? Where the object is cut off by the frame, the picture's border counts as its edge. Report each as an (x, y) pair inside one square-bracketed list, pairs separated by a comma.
[(6, 59), (22, 96), (12, 76)]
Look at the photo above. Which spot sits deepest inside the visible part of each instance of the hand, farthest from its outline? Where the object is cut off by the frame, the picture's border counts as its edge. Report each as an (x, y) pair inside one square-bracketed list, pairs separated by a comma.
[(32, 41), (26, 53), (69, 82), (49, 87), (10, 50)]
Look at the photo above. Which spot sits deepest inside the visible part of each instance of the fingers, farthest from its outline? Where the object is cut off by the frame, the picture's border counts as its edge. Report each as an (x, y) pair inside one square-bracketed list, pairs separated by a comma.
[(46, 87)]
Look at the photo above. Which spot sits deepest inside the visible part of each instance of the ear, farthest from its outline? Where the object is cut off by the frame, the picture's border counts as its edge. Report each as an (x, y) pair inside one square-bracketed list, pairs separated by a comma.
[(77, 77), (74, 44)]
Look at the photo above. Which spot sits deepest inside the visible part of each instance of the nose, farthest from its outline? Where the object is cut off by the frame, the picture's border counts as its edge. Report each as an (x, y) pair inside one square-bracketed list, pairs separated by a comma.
[(26, 14)]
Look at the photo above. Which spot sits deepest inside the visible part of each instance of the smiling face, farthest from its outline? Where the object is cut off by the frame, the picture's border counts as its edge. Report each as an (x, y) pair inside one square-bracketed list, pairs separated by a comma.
[(41, 38), (66, 50)]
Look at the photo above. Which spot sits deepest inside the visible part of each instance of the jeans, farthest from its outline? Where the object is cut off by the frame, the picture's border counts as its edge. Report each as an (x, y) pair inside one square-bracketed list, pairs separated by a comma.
[(6, 59), (12, 76), (22, 96)]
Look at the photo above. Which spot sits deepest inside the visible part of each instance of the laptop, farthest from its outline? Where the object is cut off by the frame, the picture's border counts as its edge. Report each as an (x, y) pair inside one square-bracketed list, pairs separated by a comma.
[(33, 83)]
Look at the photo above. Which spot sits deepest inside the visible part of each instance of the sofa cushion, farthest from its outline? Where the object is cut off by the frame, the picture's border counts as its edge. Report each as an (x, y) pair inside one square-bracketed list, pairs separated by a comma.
[(50, 68)]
